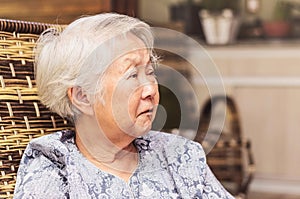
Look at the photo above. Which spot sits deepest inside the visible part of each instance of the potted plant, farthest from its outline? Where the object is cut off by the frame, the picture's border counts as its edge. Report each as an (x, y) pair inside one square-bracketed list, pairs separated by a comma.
[(279, 26)]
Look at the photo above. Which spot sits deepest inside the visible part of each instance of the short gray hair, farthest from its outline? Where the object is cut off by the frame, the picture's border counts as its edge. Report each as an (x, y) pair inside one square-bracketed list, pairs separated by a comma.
[(72, 57)]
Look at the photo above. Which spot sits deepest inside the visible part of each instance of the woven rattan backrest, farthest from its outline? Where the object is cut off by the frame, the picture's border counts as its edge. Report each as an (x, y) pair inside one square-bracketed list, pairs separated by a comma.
[(22, 116)]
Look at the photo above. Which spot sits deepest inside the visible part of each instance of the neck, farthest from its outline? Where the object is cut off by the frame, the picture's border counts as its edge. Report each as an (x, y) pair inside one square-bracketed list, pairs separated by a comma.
[(117, 157), (104, 153)]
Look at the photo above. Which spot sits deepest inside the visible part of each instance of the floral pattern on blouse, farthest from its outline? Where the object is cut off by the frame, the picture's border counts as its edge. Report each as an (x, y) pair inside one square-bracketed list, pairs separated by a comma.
[(169, 166)]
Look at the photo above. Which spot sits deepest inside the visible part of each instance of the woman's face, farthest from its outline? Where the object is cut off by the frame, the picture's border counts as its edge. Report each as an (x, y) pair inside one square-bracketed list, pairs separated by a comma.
[(130, 95)]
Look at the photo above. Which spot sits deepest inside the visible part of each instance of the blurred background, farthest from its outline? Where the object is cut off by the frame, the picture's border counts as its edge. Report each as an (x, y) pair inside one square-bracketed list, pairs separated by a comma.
[(255, 45)]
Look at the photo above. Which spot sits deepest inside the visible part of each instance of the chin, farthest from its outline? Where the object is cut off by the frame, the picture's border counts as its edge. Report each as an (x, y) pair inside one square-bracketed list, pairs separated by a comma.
[(140, 130)]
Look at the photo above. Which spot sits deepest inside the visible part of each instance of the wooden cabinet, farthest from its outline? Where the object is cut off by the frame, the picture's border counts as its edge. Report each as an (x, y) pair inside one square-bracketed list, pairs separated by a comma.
[(264, 80)]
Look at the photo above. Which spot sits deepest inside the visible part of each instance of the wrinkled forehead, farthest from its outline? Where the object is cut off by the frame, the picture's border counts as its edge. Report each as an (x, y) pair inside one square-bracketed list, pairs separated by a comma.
[(133, 42), (131, 51), (120, 45), (131, 47), (126, 44)]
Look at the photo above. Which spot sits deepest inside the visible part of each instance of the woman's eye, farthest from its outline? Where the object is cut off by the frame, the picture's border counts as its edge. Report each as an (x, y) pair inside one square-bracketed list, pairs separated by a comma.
[(151, 72), (132, 76)]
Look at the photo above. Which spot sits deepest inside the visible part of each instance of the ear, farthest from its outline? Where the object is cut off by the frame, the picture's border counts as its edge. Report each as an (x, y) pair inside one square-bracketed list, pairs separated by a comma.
[(80, 99)]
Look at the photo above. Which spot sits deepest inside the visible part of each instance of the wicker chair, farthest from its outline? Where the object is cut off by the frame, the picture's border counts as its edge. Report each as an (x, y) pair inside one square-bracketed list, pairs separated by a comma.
[(231, 158), (22, 116)]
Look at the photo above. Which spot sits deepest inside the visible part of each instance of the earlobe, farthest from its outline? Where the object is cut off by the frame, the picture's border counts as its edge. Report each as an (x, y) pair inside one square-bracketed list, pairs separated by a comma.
[(80, 99)]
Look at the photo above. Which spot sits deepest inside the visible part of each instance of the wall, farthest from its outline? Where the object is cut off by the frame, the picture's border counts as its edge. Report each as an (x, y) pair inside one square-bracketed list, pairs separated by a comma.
[(54, 11), (158, 13)]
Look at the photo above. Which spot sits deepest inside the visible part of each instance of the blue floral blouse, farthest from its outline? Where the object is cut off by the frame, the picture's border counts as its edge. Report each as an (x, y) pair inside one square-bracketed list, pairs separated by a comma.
[(169, 167)]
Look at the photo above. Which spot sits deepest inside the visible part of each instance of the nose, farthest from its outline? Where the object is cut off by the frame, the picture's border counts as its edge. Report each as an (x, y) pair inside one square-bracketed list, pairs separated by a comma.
[(149, 89)]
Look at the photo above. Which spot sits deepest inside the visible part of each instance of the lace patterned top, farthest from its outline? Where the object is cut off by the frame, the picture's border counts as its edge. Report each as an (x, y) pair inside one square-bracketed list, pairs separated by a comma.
[(169, 167)]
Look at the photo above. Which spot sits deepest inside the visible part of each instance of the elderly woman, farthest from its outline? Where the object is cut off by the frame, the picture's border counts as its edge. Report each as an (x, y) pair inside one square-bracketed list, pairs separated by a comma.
[(99, 73)]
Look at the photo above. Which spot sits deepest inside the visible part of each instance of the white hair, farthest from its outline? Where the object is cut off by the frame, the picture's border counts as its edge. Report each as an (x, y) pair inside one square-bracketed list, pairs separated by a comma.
[(79, 55)]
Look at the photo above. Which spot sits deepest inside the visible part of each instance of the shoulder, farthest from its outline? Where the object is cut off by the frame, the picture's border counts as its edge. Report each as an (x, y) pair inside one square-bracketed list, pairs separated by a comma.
[(42, 169), (174, 146), (49, 146)]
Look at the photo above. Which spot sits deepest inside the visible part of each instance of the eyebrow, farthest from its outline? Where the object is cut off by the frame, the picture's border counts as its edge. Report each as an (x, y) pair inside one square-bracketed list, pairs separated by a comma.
[(133, 61)]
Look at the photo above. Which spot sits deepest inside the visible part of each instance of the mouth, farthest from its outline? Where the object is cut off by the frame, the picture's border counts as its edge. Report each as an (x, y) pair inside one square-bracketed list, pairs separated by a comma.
[(147, 112)]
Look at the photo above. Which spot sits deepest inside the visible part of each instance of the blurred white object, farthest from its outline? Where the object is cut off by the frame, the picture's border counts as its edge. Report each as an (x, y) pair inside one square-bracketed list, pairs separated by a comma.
[(253, 6), (219, 29)]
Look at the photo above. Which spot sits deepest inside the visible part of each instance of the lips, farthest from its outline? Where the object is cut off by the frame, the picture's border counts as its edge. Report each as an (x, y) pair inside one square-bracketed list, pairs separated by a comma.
[(147, 111)]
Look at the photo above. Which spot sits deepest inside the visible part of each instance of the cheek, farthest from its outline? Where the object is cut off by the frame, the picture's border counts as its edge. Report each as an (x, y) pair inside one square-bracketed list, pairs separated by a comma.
[(125, 101), (156, 97), (100, 110), (133, 103)]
